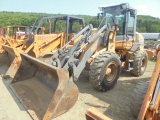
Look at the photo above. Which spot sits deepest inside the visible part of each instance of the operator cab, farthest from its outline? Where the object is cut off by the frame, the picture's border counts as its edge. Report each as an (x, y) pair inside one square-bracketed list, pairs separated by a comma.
[(123, 16)]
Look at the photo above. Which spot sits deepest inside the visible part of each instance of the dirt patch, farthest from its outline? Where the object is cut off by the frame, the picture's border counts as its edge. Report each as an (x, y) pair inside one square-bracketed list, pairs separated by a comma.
[(114, 103)]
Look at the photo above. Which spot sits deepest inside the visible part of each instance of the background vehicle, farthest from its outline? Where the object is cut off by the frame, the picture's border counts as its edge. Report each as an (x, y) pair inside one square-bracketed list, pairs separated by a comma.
[(146, 96), (115, 44), (44, 37), (14, 36)]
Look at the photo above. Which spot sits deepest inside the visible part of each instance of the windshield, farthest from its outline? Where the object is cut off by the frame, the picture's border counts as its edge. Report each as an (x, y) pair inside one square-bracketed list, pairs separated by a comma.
[(114, 15), (106, 19)]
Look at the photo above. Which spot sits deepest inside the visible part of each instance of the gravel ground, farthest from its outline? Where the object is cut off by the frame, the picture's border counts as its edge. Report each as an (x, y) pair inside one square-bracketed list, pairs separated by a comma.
[(114, 103)]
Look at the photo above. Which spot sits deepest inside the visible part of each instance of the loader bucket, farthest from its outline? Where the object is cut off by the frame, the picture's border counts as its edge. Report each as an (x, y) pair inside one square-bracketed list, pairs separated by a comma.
[(44, 90), (9, 61)]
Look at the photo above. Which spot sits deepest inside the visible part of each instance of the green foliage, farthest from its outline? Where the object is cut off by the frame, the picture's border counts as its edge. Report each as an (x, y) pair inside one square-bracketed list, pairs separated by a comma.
[(19, 18), (95, 21), (148, 24), (144, 23), (141, 29)]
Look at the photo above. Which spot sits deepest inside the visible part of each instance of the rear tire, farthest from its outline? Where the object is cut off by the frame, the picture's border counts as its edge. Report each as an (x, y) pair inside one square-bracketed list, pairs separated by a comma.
[(105, 71), (140, 63), (138, 97)]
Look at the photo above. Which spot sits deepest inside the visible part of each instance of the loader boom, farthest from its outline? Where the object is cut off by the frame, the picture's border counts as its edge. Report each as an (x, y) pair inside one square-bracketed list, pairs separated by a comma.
[(74, 63)]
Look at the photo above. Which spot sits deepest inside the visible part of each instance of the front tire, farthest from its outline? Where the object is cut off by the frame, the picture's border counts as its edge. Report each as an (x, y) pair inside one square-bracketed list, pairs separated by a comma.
[(105, 71)]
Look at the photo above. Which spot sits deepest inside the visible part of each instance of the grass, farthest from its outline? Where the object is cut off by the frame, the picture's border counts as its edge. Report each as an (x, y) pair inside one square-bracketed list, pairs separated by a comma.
[(151, 62)]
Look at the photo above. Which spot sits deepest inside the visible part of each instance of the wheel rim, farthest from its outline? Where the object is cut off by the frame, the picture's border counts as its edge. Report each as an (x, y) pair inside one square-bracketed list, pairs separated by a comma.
[(143, 63), (110, 72)]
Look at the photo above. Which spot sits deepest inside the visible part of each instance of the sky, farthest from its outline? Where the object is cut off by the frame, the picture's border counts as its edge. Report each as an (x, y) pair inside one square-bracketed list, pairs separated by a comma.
[(78, 7)]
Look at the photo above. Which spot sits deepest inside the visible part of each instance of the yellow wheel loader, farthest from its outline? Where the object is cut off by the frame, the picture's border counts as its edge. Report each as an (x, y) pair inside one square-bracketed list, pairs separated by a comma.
[(145, 104), (47, 89), (46, 35), (14, 36)]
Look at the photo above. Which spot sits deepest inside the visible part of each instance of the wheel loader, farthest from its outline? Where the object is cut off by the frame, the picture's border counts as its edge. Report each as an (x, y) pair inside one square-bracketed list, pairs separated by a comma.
[(14, 36), (46, 35), (145, 104), (48, 89)]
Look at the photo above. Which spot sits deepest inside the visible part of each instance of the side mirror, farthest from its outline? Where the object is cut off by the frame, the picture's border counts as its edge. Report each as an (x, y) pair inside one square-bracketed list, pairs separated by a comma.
[(99, 14), (132, 13)]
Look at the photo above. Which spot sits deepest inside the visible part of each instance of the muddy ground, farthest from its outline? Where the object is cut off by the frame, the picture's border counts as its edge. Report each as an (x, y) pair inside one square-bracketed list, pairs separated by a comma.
[(114, 103)]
